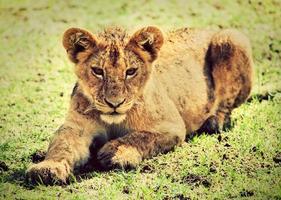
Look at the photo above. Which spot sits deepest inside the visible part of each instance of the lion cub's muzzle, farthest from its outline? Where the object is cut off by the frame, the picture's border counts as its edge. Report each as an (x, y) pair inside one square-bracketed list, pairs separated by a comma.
[(115, 111), (114, 104)]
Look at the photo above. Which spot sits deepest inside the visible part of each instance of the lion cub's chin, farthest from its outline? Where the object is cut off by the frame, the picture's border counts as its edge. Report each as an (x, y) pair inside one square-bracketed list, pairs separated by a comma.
[(113, 119)]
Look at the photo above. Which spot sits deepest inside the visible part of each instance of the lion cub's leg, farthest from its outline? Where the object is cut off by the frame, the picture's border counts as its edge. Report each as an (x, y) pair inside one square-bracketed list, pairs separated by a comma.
[(130, 150), (231, 62), (68, 148), (210, 126)]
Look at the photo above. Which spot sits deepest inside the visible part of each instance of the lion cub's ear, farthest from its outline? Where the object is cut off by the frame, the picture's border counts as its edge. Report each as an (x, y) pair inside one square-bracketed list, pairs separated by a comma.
[(76, 40), (149, 40)]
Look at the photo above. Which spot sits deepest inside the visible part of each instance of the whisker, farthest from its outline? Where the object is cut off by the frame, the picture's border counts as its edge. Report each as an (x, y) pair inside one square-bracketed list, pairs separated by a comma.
[(101, 107), (89, 109)]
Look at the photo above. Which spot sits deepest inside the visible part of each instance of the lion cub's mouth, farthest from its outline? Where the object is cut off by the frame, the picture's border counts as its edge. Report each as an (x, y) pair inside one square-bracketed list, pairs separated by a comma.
[(113, 118), (115, 113)]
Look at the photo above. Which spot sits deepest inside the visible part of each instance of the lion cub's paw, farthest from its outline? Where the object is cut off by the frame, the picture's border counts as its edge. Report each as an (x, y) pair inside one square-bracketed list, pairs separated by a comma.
[(48, 172), (114, 155)]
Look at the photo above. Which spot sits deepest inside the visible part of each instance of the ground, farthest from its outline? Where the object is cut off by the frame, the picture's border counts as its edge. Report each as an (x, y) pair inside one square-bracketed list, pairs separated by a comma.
[(36, 79)]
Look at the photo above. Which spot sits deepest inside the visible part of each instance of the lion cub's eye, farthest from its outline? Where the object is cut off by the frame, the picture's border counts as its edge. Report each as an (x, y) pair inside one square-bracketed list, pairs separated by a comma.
[(97, 71), (131, 72)]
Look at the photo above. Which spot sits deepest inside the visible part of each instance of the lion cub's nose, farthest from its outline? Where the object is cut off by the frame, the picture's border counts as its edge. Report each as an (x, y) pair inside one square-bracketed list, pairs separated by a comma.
[(114, 104)]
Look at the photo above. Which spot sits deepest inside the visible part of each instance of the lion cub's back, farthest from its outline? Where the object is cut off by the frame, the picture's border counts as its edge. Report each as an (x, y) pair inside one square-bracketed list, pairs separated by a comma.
[(181, 71)]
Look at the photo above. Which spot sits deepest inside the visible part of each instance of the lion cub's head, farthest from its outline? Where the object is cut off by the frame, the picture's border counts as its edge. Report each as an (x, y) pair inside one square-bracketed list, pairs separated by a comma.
[(112, 68)]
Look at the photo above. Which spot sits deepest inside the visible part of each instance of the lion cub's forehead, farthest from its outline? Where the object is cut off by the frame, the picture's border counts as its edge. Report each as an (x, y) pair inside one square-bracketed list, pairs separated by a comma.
[(114, 35), (112, 55), (112, 52)]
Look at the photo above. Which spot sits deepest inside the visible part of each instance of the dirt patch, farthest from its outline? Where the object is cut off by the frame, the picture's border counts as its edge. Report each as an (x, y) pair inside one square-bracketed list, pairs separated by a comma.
[(213, 168), (219, 138), (222, 138), (147, 169), (3, 166), (38, 156), (246, 193), (264, 97), (196, 180), (254, 149), (178, 197), (277, 158), (227, 145), (224, 157), (126, 190)]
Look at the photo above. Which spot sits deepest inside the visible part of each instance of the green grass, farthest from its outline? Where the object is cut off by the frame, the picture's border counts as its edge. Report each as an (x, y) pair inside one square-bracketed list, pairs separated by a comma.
[(36, 79)]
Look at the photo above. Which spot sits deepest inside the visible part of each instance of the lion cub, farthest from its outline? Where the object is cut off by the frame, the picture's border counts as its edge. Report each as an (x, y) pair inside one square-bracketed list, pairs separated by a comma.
[(141, 95)]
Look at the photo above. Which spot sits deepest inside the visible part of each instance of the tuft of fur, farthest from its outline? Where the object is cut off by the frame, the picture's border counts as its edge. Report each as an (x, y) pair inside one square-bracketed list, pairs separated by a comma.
[(148, 94)]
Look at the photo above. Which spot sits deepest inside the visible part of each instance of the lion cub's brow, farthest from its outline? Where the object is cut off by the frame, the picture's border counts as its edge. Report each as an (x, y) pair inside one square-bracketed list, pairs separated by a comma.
[(115, 40), (113, 55)]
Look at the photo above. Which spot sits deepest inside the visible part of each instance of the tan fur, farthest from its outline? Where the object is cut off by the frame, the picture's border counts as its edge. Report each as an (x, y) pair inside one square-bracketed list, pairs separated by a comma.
[(180, 82), (127, 155)]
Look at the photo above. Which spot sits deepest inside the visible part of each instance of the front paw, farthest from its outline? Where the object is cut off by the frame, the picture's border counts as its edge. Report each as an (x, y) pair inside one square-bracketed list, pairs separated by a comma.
[(48, 172), (115, 155)]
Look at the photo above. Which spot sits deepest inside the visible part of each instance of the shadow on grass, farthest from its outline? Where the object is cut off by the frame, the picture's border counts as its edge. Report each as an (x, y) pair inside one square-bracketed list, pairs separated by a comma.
[(263, 97), (17, 177)]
